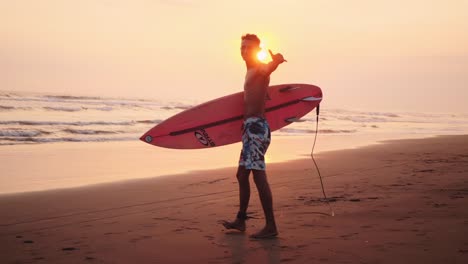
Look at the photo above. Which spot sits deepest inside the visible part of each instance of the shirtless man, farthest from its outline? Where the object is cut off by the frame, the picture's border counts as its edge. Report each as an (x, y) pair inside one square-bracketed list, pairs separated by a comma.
[(255, 137)]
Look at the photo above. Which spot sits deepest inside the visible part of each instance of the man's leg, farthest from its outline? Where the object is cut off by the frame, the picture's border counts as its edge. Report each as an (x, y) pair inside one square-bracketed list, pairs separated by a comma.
[(266, 198), (244, 189), (244, 197)]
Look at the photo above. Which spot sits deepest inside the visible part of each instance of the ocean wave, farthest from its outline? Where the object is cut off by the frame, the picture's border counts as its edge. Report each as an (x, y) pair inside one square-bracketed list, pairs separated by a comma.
[(384, 114), (155, 121), (70, 97), (104, 108), (335, 131), (6, 107), (76, 109), (65, 109), (312, 131), (90, 131), (29, 140), (8, 95), (363, 119), (57, 108), (78, 123), (12, 108), (72, 100), (296, 130), (102, 104), (55, 123), (16, 143), (354, 112), (77, 103), (181, 107), (22, 133)]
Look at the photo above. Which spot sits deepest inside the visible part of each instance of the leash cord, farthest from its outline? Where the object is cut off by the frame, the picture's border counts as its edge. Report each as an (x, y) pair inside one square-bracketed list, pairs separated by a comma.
[(315, 163)]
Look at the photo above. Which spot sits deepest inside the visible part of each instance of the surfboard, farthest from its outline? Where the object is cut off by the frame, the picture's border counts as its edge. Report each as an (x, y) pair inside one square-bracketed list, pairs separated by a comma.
[(219, 122)]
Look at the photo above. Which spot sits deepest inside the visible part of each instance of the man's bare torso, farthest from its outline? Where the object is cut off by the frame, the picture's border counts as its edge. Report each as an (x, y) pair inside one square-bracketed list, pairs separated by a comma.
[(255, 92)]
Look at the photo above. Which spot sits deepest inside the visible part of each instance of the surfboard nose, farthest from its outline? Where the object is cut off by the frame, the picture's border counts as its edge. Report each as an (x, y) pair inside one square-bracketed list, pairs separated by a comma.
[(146, 138)]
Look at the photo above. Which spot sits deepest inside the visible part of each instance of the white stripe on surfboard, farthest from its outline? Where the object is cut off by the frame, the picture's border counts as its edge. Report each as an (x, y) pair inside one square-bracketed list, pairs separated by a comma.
[(311, 98)]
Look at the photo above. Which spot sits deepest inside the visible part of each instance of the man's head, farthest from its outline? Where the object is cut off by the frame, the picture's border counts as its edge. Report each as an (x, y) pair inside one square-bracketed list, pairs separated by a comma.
[(250, 46)]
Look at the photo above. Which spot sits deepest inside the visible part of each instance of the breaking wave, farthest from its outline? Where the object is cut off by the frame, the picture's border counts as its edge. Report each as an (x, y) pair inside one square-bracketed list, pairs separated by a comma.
[(90, 132), (312, 131), (61, 139), (79, 123), (22, 133)]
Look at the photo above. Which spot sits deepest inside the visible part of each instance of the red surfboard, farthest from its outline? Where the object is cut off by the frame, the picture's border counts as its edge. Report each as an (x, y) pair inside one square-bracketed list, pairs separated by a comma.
[(219, 121)]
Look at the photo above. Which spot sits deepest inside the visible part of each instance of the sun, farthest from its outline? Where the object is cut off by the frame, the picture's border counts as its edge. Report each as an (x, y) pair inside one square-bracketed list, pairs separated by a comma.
[(262, 55)]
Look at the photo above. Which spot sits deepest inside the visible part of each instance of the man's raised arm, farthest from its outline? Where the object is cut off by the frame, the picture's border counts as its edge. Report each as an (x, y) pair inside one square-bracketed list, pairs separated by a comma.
[(277, 59)]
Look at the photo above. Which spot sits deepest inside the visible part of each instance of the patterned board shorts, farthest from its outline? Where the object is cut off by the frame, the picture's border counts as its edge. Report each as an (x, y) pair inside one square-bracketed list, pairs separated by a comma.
[(256, 137)]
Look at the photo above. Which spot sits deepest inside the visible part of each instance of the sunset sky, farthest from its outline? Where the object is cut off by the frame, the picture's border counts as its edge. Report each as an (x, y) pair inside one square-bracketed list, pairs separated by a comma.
[(400, 55)]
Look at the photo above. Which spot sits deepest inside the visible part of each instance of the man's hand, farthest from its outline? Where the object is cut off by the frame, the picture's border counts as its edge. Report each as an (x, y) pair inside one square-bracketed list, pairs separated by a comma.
[(277, 58)]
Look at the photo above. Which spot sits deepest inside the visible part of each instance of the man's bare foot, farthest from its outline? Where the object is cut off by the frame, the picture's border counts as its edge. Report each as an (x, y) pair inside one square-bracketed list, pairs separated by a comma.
[(265, 233), (237, 224)]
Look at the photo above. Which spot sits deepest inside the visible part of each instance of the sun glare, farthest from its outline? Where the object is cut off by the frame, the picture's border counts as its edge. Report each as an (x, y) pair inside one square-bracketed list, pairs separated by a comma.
[(262, 55)]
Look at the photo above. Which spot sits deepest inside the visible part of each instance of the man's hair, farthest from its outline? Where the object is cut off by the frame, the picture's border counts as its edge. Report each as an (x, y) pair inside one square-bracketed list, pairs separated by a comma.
[(252, 37)]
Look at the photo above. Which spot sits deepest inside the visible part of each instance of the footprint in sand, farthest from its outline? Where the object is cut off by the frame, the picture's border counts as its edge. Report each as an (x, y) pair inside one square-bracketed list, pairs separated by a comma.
[(439, 205), (140, 238), (427, 170), (345, 237), (393, 230), (209, 237), (397, 185), (69, 249), (403, 218)]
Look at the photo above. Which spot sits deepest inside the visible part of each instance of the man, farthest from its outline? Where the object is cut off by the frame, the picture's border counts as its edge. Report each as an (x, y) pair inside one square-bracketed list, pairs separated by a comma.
[(255, 137)]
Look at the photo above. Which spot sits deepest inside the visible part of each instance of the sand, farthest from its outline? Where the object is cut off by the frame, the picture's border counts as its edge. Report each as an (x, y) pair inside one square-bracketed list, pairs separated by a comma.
[(404, 201)]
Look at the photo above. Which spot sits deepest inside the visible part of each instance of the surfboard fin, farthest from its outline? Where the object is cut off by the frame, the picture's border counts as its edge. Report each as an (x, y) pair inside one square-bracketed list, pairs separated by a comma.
[(288, 88), (293, 119), (311, 98)]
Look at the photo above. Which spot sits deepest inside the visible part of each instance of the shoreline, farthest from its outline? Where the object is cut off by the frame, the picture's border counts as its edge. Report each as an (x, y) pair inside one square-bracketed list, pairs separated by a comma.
[(58, 166)]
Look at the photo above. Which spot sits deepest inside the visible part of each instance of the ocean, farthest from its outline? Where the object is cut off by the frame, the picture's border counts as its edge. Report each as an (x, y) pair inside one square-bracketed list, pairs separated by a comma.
[(46, 119)]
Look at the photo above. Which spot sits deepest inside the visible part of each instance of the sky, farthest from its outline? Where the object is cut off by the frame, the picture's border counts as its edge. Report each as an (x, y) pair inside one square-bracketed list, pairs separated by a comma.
[(399, 55)]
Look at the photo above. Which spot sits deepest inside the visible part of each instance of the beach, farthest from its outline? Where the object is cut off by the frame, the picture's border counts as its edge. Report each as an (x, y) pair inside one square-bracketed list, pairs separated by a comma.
[(401, 201)]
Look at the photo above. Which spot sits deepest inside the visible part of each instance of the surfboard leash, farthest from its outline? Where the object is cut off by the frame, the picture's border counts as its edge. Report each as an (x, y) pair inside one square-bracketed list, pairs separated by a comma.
[(332, 213)]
